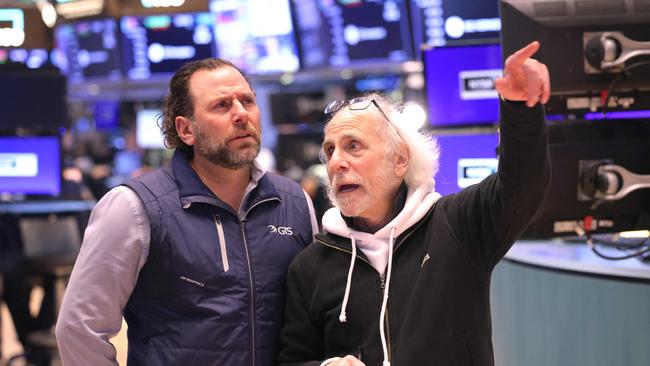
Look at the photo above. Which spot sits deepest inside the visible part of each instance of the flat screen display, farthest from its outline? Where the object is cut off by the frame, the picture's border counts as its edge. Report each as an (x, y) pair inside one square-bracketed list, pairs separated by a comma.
[(88, 50), (342, 33), (459, 84), (465, 159), (441, 22), (34, 100), (30, 165), (160, 44), (256, 35), (147, 133)]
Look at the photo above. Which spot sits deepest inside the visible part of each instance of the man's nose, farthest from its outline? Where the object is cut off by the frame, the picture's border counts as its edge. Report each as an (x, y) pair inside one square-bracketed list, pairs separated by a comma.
[(239, 112), (338, 162)]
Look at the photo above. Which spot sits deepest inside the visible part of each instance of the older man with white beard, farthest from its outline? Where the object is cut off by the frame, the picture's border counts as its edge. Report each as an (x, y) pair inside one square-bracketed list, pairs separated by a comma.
[(401, 275)]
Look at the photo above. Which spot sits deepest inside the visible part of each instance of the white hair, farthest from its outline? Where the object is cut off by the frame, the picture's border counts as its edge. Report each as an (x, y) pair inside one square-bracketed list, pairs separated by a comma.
[(423, 148)]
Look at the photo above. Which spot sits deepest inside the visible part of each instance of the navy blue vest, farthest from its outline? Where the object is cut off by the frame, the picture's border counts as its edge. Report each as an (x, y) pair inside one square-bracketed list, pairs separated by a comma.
[(212, 289)]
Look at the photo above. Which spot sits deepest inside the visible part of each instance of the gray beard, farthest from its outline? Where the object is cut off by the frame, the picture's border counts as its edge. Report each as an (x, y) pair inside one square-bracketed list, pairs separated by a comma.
[(220, 154)]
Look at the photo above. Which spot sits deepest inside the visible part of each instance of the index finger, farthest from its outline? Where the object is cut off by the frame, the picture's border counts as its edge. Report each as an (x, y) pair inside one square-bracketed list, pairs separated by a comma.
[(523, 54)]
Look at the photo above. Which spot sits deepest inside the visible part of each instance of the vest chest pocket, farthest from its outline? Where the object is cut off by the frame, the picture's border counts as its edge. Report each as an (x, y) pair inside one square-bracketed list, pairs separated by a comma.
[(206, 259)]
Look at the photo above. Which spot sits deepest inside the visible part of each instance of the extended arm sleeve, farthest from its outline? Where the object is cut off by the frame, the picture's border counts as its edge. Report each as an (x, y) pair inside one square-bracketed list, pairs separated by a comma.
[(488, 217), (114, 249)]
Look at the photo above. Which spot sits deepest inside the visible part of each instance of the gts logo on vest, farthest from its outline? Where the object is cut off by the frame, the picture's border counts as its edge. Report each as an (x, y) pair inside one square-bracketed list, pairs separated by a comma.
[(282, 230)]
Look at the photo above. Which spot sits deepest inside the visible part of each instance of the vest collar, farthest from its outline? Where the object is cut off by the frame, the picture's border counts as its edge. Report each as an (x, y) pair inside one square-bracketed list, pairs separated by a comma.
[(193, 190)]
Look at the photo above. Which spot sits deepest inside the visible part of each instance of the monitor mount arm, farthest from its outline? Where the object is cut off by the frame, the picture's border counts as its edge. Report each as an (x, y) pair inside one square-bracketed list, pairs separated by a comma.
[(608, 51), (604, 181)]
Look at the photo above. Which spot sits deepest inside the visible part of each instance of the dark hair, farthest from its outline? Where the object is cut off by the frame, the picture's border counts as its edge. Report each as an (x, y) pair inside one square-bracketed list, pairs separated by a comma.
[(179, 101)]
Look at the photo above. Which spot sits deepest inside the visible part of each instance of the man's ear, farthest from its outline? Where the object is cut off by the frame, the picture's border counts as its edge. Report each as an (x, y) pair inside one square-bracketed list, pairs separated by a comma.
[(185, 130), (401, 160)]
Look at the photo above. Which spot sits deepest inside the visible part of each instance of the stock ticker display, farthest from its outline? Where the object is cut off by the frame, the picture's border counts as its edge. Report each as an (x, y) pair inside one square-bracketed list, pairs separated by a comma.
[(160, 44), (342, 33), (87, 50)]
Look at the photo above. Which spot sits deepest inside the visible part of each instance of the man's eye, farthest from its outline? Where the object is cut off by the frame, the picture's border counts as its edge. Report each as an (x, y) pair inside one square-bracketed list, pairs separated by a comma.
[(248, 101), (222, 104), (354, 145)]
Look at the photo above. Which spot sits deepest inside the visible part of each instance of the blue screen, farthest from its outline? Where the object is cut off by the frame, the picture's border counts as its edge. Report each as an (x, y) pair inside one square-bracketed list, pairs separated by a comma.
[(257, 36), (30, 165), (460, 84), (465, 159), (88, 49), (160, 44), (341, 33)]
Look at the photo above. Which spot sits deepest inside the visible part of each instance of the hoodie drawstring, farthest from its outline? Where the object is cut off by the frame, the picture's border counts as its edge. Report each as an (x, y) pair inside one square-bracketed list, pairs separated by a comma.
[(342, 316), (382, 314)]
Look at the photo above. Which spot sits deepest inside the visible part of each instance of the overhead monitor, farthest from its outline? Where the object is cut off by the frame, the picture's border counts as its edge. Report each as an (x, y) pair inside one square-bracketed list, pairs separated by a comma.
[(147, 133), (160, 44), (589, 47), (30, 166), (459, 84), (256, 35), (33, 100), (356, 32), (88, 50), (437, 23), (466, 158)]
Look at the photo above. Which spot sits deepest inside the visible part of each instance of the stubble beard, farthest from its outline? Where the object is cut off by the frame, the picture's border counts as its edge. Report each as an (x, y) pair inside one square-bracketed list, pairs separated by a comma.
[(355, 206), (218, 152)]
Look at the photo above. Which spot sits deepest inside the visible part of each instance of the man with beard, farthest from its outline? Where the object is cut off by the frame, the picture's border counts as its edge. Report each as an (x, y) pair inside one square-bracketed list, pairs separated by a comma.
[(401, 275), (194, 256)]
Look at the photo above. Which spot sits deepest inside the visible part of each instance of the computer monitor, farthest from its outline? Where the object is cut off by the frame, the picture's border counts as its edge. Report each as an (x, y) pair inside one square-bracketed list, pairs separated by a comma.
[(346, 33), (437, 23), (147, 133), (88, 50), (30, 166), (33, 100), (466, 158), (160, 44), (576, 38), (575, 146), (257, 35), (459, 84)]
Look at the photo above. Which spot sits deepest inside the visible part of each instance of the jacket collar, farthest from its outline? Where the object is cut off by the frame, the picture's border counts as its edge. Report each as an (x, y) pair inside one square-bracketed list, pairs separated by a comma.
[(192, 190), (345, 244)]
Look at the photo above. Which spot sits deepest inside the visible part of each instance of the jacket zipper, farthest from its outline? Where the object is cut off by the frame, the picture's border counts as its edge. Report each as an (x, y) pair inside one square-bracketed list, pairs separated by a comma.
[(242, 224), (222, 243), (382, 283)]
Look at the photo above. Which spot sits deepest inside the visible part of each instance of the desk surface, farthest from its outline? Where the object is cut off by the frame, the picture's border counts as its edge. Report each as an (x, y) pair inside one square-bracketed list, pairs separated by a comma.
[(575, 258), (46, 207)]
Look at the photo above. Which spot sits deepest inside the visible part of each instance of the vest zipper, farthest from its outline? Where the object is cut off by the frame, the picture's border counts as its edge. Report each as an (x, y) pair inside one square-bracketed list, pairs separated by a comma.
[(252, 289), (222, 243), (242, 224)]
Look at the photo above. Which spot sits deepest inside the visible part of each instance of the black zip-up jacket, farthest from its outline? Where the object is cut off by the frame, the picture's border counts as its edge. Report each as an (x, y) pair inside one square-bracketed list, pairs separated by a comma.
[(438, 307)]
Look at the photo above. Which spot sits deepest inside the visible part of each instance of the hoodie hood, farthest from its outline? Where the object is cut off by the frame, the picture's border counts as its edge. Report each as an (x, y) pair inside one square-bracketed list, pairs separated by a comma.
[(419, 201)]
